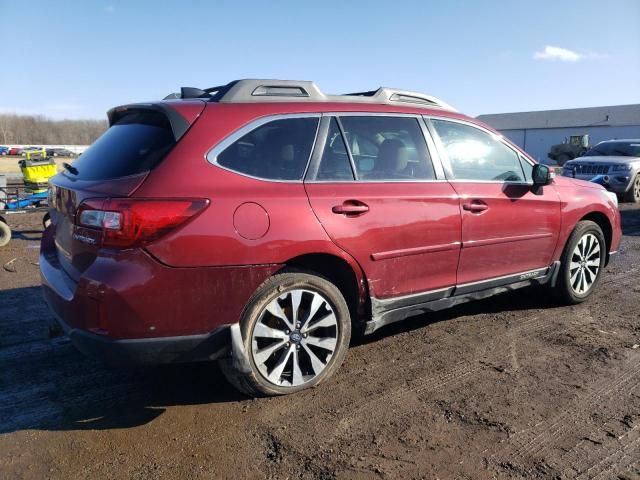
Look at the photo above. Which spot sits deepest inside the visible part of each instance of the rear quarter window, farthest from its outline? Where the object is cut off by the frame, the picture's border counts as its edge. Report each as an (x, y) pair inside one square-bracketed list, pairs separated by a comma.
[(134, 144), (277, 150)]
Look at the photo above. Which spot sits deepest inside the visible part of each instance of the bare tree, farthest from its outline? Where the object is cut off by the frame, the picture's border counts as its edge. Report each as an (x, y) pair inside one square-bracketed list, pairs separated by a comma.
[(39, 130)]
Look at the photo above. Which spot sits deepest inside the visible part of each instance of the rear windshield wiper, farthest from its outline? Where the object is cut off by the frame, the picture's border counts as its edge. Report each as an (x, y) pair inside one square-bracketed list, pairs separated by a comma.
[(70, 168)]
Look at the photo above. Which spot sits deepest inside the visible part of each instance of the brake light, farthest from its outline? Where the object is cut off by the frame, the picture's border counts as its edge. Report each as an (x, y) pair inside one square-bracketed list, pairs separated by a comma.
[(129, 222)]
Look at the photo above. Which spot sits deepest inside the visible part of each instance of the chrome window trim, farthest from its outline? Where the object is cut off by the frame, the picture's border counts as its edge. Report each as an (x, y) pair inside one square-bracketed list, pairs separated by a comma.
[(445, 159), (439, 176), (212, 154), (371, 114), (351, 182)]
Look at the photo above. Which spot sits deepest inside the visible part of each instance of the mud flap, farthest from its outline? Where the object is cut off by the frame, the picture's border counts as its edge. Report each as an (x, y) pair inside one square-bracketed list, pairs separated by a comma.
[(238, 352)]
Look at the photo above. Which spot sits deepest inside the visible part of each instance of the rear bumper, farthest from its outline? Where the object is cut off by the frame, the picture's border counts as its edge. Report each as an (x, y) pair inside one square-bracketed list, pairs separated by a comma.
[(150, 351), (129, 308)]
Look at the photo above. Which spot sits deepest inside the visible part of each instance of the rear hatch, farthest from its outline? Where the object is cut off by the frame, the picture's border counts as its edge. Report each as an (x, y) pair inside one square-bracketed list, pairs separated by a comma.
[(138, 139)]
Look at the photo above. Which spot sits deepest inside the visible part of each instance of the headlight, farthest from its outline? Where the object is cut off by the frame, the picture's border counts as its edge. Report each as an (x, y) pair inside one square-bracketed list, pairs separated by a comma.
[(613, 197), (621, 168)]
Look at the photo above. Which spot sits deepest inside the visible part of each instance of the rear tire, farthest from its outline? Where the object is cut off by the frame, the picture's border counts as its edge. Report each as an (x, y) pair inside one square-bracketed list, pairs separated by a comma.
[(295, 331), (5, 234), (562, 159), (581, 264), (633, 195)]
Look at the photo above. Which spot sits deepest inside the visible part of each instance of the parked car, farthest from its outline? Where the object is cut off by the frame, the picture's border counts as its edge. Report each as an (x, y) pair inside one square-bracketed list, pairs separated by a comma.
[(618, 161), (23, 151), (4, 151), (59, 152), (15, 151), (262, 222)]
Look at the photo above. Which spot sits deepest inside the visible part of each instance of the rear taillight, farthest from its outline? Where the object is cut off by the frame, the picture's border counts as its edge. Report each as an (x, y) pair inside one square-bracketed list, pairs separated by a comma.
[(129, 222)]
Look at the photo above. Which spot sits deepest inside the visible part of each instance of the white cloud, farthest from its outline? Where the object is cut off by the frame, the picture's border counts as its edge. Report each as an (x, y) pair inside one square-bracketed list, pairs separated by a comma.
[(557, 53)]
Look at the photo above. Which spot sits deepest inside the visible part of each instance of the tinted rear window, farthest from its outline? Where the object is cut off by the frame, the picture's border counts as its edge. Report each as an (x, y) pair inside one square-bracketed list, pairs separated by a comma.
[(134, 144)]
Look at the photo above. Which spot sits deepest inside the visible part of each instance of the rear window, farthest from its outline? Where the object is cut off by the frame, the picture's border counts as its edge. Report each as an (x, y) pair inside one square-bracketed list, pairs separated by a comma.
[(134, 144)]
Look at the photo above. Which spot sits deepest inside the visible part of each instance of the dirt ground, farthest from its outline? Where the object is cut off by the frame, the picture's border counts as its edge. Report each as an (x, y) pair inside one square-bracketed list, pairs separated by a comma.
[(509, 387)]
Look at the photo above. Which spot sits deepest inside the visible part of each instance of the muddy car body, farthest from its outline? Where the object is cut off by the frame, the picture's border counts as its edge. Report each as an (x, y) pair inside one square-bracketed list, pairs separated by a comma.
[(259, 223)]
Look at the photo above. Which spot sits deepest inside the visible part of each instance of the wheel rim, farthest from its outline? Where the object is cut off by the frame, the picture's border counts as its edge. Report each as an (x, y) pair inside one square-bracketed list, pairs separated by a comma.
[(294, 338), (636, 189), (585, 264)]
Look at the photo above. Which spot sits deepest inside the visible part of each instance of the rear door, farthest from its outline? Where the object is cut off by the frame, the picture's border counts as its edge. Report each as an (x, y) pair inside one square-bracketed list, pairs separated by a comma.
[(114, 166), (375, 190), (507, 228)]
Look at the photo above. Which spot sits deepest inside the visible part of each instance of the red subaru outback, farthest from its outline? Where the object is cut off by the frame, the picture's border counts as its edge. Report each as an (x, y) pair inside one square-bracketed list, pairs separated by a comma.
[(261, 222)]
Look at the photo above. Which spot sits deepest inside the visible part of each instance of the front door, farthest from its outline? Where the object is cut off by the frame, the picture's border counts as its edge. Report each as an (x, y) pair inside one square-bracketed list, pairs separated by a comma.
[(507, 228), (374, 189)]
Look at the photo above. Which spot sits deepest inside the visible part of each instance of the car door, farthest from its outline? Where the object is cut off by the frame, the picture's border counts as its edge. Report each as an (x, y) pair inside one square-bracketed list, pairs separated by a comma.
[(373, 187), (507, 227)]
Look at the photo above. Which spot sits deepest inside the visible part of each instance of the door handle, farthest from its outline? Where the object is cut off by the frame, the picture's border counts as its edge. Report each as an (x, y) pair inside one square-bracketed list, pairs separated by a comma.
[(351, 207), (475, 207)]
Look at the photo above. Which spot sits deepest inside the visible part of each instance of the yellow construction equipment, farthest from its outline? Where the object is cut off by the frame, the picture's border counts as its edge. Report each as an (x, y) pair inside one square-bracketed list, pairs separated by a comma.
[(37, 169)]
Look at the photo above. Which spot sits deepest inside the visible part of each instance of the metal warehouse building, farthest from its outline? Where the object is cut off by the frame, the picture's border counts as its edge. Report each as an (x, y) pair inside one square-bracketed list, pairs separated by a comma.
[(536, 132)]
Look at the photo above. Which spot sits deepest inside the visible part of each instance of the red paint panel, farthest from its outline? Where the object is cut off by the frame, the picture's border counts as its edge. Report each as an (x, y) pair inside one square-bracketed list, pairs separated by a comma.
[(517, 232), (405, 228)]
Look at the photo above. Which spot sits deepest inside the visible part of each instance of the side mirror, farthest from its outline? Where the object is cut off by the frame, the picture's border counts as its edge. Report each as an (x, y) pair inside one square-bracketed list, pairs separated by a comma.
[(541, 175)]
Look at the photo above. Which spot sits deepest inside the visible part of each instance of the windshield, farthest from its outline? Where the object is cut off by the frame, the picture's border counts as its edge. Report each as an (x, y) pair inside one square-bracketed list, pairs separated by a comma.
[(624, 149), (135, 144)]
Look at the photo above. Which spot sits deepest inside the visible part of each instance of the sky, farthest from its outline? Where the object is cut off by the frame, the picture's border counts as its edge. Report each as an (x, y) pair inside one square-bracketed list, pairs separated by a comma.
[(77, 59)]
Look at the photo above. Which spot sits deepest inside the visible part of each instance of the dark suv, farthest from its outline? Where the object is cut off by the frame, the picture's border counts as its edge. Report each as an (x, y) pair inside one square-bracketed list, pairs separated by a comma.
[(261, 222)]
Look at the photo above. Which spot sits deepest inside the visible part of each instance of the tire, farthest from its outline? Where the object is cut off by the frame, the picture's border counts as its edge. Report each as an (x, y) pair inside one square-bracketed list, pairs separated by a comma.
[(274, 351), (562, 159), (570, 289), (5, 234), (633, 194)]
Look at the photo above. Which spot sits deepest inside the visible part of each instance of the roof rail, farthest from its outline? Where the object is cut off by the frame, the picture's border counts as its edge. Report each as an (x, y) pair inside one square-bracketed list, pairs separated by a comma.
[(254, 90)]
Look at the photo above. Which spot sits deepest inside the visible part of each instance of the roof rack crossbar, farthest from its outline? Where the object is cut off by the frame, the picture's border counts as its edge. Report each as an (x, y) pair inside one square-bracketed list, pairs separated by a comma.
[(254, 90)]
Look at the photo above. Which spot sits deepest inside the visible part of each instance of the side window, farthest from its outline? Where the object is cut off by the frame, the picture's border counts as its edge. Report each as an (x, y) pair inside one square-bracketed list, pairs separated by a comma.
[(334, 164), (476, 155), (387, 148), (278, 150)]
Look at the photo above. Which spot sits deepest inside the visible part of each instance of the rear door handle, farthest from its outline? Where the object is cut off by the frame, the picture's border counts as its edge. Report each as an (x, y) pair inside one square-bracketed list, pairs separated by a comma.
[(351, 207), (476, 206)]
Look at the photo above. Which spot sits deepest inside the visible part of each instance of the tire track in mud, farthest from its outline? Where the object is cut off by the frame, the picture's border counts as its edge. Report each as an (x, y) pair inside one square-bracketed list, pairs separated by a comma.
[(547, 434), (616, 461), (460, 372)]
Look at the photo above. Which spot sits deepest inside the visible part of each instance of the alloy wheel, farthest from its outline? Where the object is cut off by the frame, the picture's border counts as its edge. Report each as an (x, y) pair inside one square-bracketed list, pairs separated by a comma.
[(294, 338), (585, 264)]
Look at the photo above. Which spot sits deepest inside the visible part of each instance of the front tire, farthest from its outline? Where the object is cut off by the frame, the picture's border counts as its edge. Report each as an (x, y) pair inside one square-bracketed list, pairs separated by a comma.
[(633, 194), (296, 331), (581, 264)]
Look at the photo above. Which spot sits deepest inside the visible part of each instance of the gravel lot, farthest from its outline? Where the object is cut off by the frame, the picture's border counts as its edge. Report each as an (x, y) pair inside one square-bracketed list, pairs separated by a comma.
[(509, 387)]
